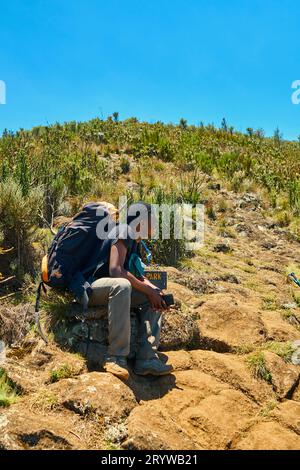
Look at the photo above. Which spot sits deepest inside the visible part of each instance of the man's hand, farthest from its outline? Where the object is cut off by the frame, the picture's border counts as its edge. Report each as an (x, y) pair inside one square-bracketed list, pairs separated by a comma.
[(156, 300), (149, 283)]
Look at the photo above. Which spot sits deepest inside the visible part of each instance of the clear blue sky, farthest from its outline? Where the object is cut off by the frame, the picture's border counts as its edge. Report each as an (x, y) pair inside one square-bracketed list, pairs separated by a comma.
[(156, 60)]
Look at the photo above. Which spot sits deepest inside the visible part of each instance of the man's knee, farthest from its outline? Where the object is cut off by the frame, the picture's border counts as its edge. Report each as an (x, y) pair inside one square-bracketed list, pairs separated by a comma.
[(121, 285)]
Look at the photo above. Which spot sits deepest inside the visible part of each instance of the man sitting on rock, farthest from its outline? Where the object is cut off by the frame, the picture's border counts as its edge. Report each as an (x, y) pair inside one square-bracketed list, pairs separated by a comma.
[(120, 289)]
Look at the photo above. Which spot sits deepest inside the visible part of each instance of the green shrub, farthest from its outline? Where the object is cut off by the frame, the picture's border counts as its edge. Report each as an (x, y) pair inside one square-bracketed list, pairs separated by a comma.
[(294, 196), (8, 390), (205, 162), (125, 166), (19, 214), (62, 372), (191, 186), (283, 219), (211, 213)]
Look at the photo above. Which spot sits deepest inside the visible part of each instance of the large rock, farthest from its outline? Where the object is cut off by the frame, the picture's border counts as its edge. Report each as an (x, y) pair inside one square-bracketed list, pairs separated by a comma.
[(30, 371), (233, 370), (95, 393), (73, 413), (277, 328), (284, 376), (214, 403), (150, 427), (226, 323), (22, 428), (288, 414), (217, 419), (179, 330), (268, 436), (210, 401), (199, 412), (89, 338)]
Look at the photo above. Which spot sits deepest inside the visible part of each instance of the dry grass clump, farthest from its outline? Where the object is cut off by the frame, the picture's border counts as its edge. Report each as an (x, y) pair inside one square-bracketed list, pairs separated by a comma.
[(15, 322)]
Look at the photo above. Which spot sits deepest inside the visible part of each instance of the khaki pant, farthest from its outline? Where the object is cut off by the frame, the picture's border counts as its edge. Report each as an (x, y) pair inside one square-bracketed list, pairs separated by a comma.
[(119, 296)]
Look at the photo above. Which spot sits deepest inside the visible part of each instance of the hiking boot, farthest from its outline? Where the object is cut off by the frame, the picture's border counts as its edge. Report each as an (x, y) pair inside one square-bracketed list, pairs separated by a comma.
[(117, 365), (152, 367)]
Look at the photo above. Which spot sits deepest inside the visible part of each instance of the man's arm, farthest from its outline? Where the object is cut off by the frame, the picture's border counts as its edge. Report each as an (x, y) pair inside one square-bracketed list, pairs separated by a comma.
[(149, 283), (116, 269)]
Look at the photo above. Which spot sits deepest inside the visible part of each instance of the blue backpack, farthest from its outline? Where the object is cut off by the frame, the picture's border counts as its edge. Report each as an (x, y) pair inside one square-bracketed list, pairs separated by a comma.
[(76, 254)]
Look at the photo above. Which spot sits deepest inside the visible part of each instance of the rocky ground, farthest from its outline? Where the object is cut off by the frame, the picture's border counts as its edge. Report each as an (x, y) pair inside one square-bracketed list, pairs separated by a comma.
[(233, 386)]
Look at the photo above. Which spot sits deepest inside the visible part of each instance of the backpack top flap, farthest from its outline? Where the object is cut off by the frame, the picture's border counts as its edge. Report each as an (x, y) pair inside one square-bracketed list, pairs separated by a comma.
[(74, 245)]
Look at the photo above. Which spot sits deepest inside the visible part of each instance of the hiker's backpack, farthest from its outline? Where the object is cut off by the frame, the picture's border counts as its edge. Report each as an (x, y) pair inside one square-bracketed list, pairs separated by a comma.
[(76, 252)]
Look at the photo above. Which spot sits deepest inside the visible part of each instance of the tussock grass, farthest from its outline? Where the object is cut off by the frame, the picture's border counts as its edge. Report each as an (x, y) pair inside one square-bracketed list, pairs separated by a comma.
[(268, 408), (243, 349), (15, 322), (9, 391), (269, 303), (257, 363), (64, 371), (43, 400), (284, 350)]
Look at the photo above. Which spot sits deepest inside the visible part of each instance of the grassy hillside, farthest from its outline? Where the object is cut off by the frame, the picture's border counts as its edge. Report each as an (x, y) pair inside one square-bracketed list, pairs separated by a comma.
[(51, 171)]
